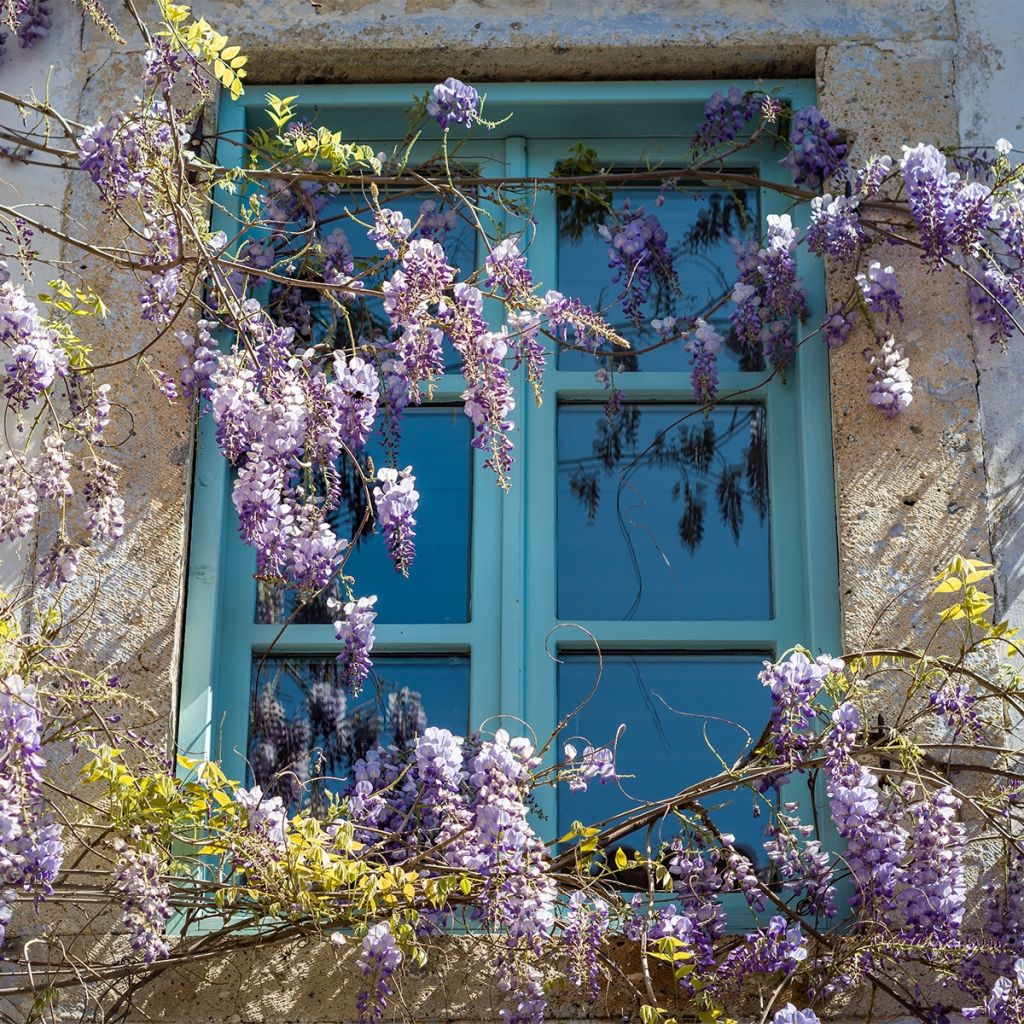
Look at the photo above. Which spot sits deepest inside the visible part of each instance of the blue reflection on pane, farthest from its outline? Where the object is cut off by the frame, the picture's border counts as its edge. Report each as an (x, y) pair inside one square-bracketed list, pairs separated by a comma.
[(700, 224), (662, 513), (679, 710), (435, 441), (306, 731)]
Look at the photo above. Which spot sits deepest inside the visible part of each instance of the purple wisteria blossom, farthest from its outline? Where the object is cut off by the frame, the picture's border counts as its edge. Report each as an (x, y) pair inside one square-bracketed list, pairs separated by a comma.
[(789, 1014), (145, 899), (32, 360), (523, 333), (454, 102), (595, 763), (816, 151), (104, 507), (111, 153), (397, 499), (704, 347), (586, 924), (881, 290), (769, 293), (564, 314), (955, 701), (779, 947), (433, 222), (639, 253), (836, 328), (835, 227), (18, 498), (725, 116), (31, 842), (929, 191), (488, 398), (890, 386), (935, 890), (1004, 913), (507, 270), (869, 178), (379, 958), (867, 821), (468, 801), (1005, 1004), (356, 633), (413, 291), (265, 815), (803, 867), (794, 685), (391, 229), (995, 298)]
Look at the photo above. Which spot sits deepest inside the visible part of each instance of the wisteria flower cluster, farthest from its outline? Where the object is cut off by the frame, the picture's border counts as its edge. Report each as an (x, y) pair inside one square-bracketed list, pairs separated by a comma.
[(639, 253), (31, 842)]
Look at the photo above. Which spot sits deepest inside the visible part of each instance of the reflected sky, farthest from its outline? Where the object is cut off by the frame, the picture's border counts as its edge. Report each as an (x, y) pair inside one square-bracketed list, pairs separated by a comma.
[(699, 224), (677, 708), (435, 442), (660, 516)]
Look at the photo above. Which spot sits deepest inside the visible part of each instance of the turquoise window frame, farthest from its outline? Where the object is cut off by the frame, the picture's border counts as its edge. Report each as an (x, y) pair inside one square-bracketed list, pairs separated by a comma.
[(510, 638)]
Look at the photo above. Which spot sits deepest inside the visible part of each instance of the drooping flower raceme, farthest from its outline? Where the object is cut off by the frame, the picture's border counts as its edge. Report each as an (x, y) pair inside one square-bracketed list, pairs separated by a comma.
[(379, 958), (794, 684), (835, 227), (789, 1014), (639, 253), (704, 348), (881, 290), (934, 897), (586, 925), (725, 116), (595, 763), (816, 152), (356, 633), (265, 814), (31, 842), (145, 899), (890, 386), (397, 499), (488, 396), (32, 360)]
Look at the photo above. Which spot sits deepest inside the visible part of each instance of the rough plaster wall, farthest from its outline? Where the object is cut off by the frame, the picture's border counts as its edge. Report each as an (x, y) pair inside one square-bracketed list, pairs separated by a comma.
[(909, 493), (46, 72), (990, 63)]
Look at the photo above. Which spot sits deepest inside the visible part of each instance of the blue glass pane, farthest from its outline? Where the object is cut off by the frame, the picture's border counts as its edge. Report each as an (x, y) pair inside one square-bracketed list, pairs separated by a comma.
[(699, 224), (662, 513), (435, 442), (679, 710), (305, 731)]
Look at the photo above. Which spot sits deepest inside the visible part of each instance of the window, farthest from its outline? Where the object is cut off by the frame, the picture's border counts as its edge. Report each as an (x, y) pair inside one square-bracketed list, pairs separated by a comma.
[(682, 543)]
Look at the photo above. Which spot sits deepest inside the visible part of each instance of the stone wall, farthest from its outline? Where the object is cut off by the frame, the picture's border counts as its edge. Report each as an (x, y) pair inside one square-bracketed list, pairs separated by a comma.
[(910, 493)]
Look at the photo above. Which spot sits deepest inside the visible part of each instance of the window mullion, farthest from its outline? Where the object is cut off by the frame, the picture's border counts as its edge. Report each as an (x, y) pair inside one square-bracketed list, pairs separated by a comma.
[(538, 477)]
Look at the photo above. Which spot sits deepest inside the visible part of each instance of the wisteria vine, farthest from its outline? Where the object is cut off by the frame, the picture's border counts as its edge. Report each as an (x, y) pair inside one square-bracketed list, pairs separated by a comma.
[(304, 338)]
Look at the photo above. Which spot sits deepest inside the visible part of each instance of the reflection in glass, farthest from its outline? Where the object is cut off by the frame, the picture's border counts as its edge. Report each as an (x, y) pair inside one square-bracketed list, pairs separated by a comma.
[(680, 711), (662, 513), (306, 731), (435, 442), (700, 224)]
